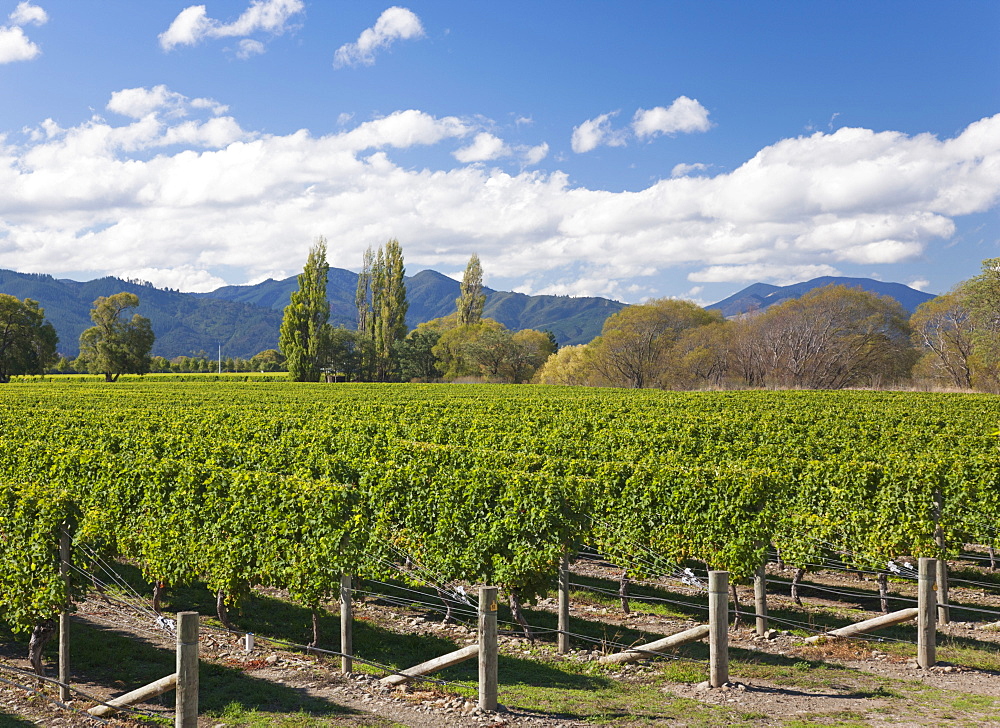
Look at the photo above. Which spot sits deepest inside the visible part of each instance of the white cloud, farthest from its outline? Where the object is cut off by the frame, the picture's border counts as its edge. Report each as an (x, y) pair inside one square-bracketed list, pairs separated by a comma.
[(183, 278), (483, 148), (25, 14), (684, 115), (140, 102), (249, 47), (919, 283), (780, 274), (393, 24), (193, 25), (595, 132), (534, 155), (683, 170), (217, 196), (15, 45)]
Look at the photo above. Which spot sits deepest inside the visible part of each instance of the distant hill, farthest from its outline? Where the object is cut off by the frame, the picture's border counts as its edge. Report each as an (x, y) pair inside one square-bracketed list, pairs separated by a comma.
[(184, 324), (760, 296), (432, 295), (245, 319)]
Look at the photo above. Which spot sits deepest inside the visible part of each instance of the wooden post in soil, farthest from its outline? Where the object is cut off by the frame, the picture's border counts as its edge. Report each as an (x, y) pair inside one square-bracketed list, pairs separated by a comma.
[(186, 706), (942, 563), (488, 653), (563, 646), (718, 626), (926, 603), (760, 599), (346, 624), (64, 557)]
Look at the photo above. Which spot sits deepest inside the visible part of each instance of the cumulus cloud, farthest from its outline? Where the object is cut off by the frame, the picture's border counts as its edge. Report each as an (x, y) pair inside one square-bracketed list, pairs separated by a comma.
[(216, 197), (182, 278), (27, 14), (595, 132), (484, 147), (393, 24), (684, 115), (139, 102), (192, 25), (14, 44), (534, 155), (683, 170), (775, 272)]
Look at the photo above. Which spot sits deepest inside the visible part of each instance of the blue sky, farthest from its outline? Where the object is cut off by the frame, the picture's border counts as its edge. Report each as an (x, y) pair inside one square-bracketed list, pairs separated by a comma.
[(628, 149)]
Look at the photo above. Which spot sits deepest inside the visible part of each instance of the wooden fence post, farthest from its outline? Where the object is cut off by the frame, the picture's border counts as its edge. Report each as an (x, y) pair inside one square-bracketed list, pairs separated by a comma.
[(718, 626), (64, 557), (942, 562), (563, 646), (346, 624), (488, 652), (941, 582), (760, 599), (926, 602), (186, 707)]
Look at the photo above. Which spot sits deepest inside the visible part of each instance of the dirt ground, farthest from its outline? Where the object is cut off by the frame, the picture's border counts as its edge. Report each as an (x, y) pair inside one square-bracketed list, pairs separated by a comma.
[(897, 681)]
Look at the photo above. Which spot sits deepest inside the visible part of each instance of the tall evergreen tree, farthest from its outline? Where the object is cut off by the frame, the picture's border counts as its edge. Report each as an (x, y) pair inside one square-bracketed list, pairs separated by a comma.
[(304, 327), (470, 303)]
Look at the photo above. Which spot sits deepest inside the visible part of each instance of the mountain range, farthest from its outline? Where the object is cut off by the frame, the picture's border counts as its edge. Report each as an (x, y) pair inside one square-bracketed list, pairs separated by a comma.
[(760, 296), (244, 320)]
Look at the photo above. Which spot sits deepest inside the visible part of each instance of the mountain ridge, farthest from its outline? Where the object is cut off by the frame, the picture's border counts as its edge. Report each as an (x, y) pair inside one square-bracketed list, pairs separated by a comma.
[(760, 296), (245, 320)]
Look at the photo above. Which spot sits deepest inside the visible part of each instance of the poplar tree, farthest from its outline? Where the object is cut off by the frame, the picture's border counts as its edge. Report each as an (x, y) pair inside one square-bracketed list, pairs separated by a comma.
[(363, 294), (389, 306), (470, 303), (304, 327)]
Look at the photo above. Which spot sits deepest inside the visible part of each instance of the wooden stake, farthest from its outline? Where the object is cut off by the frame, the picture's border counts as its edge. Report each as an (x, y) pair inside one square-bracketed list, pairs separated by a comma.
[(645, 652), (760, 599), (926, 601), (139, 695), (869, 625), (186, 707), (346, 624), (718, 624), (563, 646), (426, 668), (64, 557), (488, 652)]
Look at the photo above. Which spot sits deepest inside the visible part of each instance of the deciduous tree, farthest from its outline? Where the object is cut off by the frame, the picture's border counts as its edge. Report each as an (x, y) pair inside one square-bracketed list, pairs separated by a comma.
[(943, 328), (634, 343), (389, 306), (304, 327), (114, 346), (472, 299), (27, 340)]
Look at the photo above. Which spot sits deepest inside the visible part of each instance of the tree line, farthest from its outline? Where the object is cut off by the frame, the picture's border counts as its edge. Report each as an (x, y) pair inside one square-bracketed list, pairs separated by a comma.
[(462, 345), (831, 338), (113, 346)]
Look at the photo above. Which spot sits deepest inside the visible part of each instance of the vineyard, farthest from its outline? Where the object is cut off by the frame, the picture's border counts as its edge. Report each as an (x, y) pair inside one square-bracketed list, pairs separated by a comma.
[(252, 485)]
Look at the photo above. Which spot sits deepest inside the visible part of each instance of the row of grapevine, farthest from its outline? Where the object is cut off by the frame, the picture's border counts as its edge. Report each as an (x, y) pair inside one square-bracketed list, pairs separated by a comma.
[(289, 486)]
